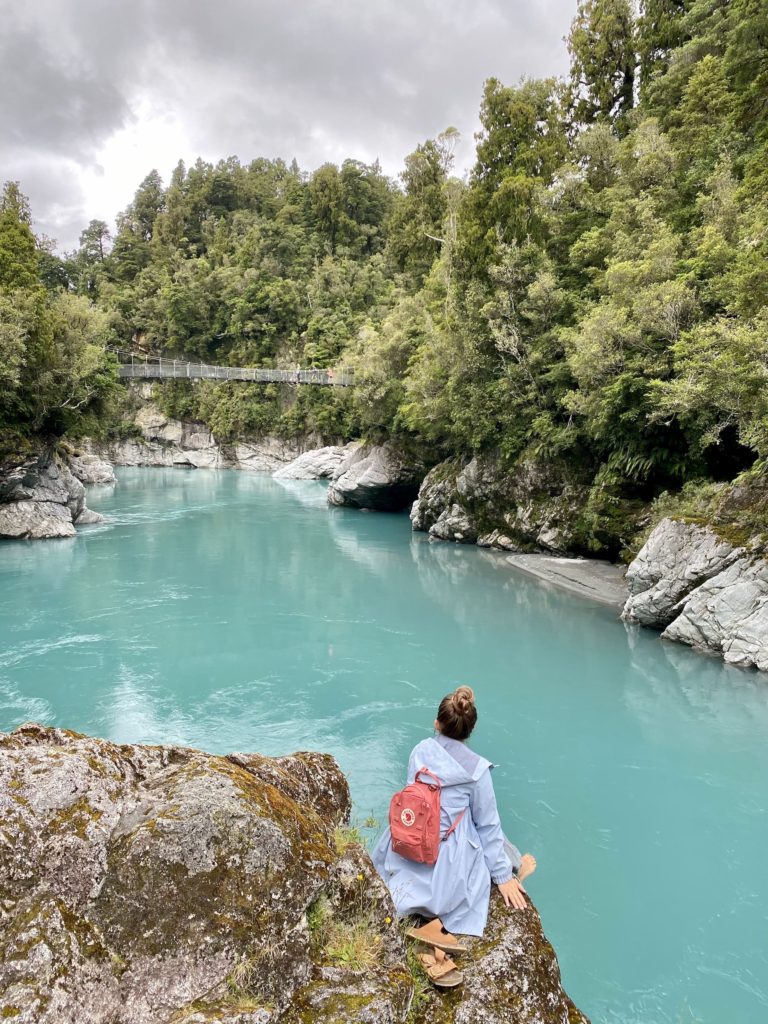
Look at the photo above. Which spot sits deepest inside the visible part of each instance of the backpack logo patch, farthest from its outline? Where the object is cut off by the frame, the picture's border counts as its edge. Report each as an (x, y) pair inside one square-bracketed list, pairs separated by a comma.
[(408, 817)]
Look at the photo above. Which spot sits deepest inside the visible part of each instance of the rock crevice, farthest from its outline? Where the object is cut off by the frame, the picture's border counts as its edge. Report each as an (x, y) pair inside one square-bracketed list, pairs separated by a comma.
[(380, 477)]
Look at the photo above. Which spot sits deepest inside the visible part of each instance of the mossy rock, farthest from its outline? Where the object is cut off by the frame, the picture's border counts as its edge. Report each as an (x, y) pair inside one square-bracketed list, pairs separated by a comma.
[(144, 876)]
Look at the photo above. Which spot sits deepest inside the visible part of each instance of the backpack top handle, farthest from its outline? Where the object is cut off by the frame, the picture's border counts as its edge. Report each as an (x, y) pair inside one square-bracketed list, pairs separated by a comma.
[(437, 784)]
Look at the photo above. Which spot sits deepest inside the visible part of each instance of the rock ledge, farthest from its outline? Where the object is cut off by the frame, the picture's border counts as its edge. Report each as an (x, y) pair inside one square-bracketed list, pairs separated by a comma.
[(163, 885)]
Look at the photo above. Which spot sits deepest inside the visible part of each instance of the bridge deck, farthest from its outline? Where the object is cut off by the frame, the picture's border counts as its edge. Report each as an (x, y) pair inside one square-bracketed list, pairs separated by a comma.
[(161, 368)]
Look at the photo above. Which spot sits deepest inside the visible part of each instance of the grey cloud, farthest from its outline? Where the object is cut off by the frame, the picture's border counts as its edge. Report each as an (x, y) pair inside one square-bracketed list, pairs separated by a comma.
[(314, 79), (51, 103)]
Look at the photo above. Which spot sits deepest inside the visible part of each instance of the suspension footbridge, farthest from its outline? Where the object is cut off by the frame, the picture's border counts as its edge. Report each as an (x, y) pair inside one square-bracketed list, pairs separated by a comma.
[(159, 367)]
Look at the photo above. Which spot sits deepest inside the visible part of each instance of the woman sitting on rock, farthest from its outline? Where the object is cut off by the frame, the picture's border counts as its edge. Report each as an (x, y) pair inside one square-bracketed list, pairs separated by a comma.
[(453, 893)]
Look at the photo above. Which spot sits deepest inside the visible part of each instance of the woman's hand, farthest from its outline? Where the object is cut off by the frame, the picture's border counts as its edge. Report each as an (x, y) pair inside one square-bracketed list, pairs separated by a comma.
[(512, 894)]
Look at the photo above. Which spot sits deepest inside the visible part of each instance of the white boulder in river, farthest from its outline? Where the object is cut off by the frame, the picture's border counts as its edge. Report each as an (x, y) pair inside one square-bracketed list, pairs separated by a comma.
[(728, 614), (317, 464), (380, 477), (707, 593)]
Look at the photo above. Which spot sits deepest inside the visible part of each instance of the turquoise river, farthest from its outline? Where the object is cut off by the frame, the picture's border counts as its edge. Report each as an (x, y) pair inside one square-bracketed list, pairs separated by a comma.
[(232, 612)]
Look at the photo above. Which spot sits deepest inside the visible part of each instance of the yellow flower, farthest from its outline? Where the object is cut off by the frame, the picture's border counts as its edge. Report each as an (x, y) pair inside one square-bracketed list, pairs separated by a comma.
[(387, 920), (359, 878)]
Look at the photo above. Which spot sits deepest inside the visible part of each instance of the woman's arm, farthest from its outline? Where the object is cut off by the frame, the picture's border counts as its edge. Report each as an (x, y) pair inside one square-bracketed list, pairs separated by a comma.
[(485, 815)]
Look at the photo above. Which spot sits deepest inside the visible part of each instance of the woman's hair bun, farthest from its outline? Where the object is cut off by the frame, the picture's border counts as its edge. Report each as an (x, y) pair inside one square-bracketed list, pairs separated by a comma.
[(463, 699), (457, 714)]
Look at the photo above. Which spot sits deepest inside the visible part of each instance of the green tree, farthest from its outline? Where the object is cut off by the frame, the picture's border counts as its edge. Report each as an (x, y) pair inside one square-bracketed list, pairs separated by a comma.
[(91, 257), (660, 30), (602, 46), (417, 223), (147, 204), (18, 256)]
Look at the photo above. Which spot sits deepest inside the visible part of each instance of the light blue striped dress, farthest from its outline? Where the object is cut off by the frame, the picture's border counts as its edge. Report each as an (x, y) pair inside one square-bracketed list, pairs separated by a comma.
[(457, 887)]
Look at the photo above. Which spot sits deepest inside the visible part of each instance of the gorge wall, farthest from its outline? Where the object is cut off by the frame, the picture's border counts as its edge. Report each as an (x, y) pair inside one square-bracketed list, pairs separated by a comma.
[(701, 584)]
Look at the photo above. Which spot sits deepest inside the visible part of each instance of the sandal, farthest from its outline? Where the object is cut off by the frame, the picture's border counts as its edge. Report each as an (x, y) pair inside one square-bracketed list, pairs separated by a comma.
[(440, 969), (433, 934)]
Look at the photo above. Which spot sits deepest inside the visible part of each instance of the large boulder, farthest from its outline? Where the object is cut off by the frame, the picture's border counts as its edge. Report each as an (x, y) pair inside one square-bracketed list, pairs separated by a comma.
[(88, 517), (381, 477), (34, 520), (162, 885), (142, 882), (41, 497), (676, 558), (454, 523), (529, 505), (702, 591), (318, 463)]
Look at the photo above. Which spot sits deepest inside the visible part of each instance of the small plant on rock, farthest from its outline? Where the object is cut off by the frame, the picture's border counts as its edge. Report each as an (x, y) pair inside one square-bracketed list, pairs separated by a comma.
[(345, 836), (356, 944)]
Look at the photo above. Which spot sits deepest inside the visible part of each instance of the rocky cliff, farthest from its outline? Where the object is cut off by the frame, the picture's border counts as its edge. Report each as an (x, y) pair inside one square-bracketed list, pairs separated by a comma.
[(160, 440), (534, 505), (43, 496), (141, 885)]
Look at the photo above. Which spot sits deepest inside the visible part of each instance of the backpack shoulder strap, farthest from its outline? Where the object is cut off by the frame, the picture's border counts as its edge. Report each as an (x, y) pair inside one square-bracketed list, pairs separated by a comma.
[(454, 825)]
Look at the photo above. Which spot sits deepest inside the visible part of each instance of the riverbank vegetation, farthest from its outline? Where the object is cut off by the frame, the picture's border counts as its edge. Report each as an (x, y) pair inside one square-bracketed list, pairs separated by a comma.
[(55, 372), (595, 291)]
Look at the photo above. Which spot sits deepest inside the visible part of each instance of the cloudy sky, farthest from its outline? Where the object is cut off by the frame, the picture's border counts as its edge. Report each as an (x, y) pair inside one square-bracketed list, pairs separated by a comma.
[(95, 93)]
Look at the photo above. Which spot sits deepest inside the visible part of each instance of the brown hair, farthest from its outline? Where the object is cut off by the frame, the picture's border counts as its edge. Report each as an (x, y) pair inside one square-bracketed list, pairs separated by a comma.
[(457, 713)]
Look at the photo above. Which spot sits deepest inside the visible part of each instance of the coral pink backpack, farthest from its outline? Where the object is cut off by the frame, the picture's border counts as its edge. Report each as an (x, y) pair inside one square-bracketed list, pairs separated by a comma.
[(414, 820)]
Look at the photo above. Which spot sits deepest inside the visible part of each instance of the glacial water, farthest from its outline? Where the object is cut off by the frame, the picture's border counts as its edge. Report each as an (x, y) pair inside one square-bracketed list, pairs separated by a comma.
[(232, 612)]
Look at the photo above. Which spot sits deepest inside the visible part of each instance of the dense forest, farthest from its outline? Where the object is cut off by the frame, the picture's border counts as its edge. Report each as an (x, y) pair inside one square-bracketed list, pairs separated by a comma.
[(595, 292)]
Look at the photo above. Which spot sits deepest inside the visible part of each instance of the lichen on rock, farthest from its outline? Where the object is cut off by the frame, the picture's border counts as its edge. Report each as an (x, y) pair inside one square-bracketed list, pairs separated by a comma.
[(175, 865), (510, 975)]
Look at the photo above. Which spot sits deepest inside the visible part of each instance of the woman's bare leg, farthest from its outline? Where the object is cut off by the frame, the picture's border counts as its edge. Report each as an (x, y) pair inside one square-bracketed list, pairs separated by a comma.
[(527, 866)]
